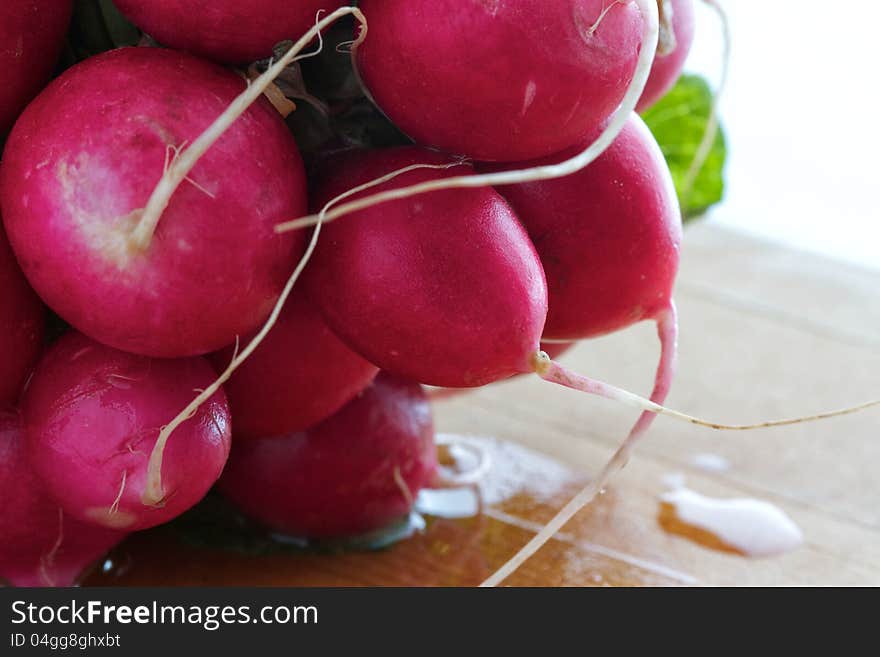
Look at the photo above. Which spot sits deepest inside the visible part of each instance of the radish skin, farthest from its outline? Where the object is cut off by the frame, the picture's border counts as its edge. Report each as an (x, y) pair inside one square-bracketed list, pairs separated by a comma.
[(610, 249), (413, 286), (22, 324), (504, 80), (31, 37), (160, 198), (85, 157), (301, 374), (93, 415), (228, 31), (335, 208), (355, 472), (41, 546)]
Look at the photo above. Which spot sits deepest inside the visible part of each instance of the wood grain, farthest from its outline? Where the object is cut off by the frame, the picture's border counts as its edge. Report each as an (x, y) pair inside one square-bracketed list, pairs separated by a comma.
[(766, 333)]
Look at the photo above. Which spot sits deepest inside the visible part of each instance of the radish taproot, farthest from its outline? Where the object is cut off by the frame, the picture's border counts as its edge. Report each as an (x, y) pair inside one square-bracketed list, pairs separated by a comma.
[(41, 545), (229, 31), (93, 415), (552, 349), (31, 37), (502, 80), (22, 323), (79, 168), (676, 38), (300, 374), (355, 472)]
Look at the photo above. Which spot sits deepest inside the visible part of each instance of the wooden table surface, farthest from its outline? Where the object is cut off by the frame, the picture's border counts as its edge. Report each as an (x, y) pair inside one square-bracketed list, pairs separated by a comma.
[(766, 333)]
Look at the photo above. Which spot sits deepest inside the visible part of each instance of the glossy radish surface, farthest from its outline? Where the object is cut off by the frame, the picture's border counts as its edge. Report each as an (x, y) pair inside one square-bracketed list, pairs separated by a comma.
[(355, 472), (500, 80), (300, 374), (92, 416), (80, 166), (445, 289), (22, 322), (225, 30), (608, 236), (31, 37), (41, 545)]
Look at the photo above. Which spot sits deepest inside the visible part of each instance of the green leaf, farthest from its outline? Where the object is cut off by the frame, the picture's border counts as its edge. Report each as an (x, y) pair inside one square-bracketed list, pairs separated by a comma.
[(679, 122)]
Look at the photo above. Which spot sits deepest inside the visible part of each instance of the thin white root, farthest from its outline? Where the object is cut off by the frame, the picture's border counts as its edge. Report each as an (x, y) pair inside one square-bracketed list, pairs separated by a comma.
[(114, 508), (47, 560), (668, 41), (404, 488), (153, 491), (551, 371), (609, 134), (181, 166), (712, 125), (667, 332), (470, 477), (602, 14), (307, 222)]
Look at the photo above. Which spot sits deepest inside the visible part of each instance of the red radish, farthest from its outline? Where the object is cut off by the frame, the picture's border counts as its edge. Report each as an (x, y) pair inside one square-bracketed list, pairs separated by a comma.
[(93, 415), (500, 80), (444, 289), (225, 30), (41, 545), (608, 236), (84, 159), (676, 38), (31, 37), (300, 374), (355, 472), (22, 321)]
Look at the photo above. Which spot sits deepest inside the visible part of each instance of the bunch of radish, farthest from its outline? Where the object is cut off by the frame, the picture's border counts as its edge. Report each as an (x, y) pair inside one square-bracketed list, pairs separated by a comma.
[(157, 203)]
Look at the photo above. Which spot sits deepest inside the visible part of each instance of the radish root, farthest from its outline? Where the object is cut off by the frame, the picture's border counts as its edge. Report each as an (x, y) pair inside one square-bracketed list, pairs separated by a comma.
[(549, 370), (667, 329), (47, 560), (667, 332), (712, 125), (602, 14), (180, 167), (609, 134), (153, 491)]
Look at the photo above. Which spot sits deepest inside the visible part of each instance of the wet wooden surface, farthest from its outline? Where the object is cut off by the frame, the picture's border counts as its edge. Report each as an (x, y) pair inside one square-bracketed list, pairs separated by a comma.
[(765, 333)]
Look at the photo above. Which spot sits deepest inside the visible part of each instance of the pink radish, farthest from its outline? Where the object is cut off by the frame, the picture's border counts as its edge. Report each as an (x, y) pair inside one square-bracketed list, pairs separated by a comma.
[(79, 168), (301, 374), (676, 38), (22, 321), (500, 80), (93, 415), (41, 545), (446, 290), (31, 37), (355, 472), (225, 30), (608, 236)]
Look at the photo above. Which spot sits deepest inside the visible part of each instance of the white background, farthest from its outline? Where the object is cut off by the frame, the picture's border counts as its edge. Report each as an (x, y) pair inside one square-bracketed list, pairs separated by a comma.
[(801, 114)]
